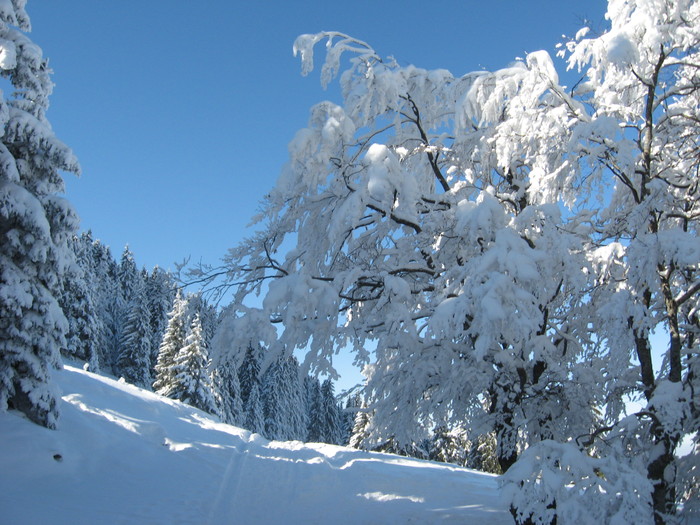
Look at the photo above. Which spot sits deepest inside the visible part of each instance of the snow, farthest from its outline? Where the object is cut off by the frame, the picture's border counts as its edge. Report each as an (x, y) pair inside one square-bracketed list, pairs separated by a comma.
[(126, 455), (8, 54), (621, 51)]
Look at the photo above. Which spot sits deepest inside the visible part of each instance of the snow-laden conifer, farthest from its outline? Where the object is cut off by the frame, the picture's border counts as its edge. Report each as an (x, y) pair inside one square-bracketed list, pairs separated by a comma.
[(249, 372), (314, 420), (78, 304), (173, 341), (283, 401), (127, 275), (100, 270), (296, 399), (191, 379), (330, 415), (160, 293), (134, 362), (324, 423), (36, 225), (254, 410), (360, 431), (227, 392)]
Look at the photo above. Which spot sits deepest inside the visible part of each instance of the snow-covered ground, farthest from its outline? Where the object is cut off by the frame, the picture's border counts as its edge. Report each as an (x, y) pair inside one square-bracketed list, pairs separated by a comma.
[(124, 455)]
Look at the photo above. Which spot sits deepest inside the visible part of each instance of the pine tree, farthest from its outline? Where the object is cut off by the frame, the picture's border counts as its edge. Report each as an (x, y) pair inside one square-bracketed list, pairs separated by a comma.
[(347, 417), (330, 415), (360, 434), (254, 418), (173, 341), (78, 304), (283, 401), (191, 380), (99, 269), (127, 275), (314, 429), (481, 455), (227, 393), (112, 308), (296, 400), (197, 305), (35, 226), (249, 372), (134, 362), (160, 294), (273, 401), (449, 446), (251, 389)]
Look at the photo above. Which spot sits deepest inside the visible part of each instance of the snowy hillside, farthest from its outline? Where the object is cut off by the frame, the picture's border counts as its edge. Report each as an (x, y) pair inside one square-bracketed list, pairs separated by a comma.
[(124, 455)]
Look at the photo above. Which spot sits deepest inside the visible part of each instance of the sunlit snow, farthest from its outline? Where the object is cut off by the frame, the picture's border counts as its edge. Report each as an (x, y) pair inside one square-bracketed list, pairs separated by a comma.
[(125, 455)]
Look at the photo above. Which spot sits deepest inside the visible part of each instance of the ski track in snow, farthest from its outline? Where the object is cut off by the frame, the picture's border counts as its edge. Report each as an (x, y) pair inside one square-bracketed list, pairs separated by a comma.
[(128, 456)]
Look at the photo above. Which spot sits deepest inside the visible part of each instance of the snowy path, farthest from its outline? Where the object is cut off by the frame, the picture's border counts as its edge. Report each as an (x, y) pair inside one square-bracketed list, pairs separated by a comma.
[(129, 456)]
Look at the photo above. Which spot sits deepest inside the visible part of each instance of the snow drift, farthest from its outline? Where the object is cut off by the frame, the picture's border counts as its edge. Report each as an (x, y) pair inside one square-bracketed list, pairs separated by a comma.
[(125, 455)]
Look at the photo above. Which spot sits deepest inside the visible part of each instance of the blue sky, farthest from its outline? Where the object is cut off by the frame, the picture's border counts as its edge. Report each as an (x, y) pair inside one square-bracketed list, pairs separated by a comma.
[(180, 112)]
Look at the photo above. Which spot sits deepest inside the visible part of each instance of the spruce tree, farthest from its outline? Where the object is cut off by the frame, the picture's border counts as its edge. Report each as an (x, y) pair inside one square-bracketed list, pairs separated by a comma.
[(78, 304), (99, 270), (191, 382), (251, 389), (449, 446), (249, 372), (254, 419), (227, 393), (160, 293), (314, 432), (273, 401), (347, 417), (173, 341), (283, 401), (134, 362), (127, 275), (35, 226), (360, 429), (112, 309), (296, 400), (330, 415)]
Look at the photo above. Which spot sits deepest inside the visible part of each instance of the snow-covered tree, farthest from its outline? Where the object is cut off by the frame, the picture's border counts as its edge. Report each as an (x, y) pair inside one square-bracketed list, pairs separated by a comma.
[(160, 293), (509, 245), (78, 304), (100, 270), (197, 305), (329, 424), (283, 401), (449, 446), (227, 391), (109, 303), (312, 390), (191, 382), (347, 417), (639, 140), (134, 362), (172, 343), (249, 372), (418, 226), (36, 225), (296, 399), (127, 275), (274, 403), (360, 432), (254, 410)]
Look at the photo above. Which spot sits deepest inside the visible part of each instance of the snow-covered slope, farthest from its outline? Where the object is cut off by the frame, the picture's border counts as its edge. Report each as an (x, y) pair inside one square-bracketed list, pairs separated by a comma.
[(124, 455)]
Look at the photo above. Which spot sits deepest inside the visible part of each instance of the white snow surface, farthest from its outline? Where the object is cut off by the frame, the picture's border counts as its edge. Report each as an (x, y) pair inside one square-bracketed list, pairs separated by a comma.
[(125, 455)]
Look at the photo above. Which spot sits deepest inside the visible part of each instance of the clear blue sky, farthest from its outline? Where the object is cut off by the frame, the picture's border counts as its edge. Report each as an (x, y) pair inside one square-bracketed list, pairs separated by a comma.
[(180, 111)]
